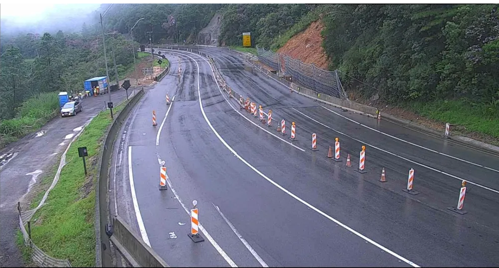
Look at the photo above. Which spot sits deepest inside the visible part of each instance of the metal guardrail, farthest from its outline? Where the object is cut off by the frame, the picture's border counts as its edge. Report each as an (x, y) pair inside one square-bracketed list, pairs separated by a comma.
[(307, 75)]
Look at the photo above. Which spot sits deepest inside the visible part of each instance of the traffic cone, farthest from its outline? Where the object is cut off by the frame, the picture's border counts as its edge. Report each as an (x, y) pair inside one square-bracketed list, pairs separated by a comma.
[(278, 127), (330, 152), (383, 179), (348, 161)]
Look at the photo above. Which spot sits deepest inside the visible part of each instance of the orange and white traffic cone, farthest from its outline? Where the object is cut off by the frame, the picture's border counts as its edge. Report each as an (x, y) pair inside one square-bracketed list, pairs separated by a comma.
[(162, 178), (383, 179), (269, 119), (154, 118), (283, 127), (349, 164), (194, 234), (167, 100), (330, 152), (293, 131), (460, 202)]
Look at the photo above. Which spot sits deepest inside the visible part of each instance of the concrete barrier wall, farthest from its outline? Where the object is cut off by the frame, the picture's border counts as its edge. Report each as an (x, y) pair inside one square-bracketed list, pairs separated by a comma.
[(133, 247), (102, 216)]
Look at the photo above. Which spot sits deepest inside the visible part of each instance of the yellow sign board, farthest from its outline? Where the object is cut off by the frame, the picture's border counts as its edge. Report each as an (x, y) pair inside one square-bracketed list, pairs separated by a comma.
[(247, 39)]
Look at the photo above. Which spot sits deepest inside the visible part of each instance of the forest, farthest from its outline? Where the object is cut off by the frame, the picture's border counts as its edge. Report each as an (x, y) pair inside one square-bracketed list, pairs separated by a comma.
[(399, 54)]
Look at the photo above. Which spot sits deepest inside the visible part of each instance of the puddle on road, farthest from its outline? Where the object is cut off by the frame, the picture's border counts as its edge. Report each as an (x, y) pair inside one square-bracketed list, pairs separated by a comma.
[(77, 129), (5, 158), (61, 144), (40, 133), (34, 175), (69, 136)]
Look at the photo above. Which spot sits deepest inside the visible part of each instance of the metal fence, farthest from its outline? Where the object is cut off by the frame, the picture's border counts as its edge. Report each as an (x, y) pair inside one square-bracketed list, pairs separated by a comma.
[(307, 75)]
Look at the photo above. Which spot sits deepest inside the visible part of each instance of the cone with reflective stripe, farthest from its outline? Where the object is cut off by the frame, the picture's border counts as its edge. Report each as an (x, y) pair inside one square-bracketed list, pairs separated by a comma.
[(194, 234), (460, 201), (349, 164), (278, 127), (330, 152), (162, 178), (383, 179)]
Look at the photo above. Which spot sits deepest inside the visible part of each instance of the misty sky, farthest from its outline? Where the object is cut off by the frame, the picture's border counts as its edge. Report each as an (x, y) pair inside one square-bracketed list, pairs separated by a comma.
[(44, 16)]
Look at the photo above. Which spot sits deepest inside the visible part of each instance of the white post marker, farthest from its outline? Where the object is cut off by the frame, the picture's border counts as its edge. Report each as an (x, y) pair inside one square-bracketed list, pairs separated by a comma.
[(447, 130), (410, 181)]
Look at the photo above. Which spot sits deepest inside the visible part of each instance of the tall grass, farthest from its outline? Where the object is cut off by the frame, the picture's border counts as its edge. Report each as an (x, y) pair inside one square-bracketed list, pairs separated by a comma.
[(32, 115), (474, 118)]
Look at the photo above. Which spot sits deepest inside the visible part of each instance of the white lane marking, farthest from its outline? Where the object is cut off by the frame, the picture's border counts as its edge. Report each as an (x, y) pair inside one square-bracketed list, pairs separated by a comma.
[(293, 195), (164, 120), (69, 136), (205, 232), (401, 157), (408, 142), (303, 150), (134, 198), (246, 244)]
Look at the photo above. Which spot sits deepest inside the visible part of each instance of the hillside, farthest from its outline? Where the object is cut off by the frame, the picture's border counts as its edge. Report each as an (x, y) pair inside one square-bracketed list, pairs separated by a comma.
[(307, 46)]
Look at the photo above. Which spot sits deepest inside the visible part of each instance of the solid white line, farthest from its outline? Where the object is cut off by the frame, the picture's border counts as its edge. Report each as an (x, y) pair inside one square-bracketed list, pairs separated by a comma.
[(134, 198), (408, 142), (293, 195), (230, 104), (246, 244), (401, 157), (164, 120), (205, 232)]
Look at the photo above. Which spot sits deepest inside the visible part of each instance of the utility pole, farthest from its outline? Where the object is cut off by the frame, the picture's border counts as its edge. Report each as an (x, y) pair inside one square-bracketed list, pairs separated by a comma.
[(152, 54), (133, 49), (115, 69), (105, 60)]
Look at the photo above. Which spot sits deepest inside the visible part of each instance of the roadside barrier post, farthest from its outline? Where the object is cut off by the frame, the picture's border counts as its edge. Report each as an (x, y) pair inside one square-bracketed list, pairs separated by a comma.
[(269, 121), (447, 130), (162, 177), (362, 160), (337, 151), (293, 131), (410, 181), (283, 127), (460, 202), (314, 142), (194, 234), (154, 118)]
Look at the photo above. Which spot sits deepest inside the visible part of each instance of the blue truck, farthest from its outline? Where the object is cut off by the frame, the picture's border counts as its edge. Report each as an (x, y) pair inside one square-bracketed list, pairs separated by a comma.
[(100, 81)]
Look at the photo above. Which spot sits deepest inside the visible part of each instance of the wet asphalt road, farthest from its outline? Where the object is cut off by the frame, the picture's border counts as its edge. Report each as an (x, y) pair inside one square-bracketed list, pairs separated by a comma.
[(294, 206), (32, 157)]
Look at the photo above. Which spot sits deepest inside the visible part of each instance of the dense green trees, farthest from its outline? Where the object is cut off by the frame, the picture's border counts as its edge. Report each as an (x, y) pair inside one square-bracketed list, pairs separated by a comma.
[(417, 52)]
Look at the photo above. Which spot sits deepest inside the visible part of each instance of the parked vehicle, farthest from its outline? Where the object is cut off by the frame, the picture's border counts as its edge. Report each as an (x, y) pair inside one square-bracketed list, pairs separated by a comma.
[(71, 108)]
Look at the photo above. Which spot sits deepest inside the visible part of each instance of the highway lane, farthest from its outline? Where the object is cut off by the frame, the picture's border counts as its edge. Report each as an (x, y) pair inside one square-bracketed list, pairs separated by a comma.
[(282, 230), (436, 192)]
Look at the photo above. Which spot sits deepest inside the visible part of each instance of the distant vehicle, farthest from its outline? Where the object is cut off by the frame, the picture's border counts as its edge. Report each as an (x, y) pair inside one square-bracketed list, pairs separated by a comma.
[(71, 108)]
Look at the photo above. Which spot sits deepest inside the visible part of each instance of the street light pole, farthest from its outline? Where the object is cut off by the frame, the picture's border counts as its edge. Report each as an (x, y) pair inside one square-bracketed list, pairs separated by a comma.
[(105, 60), (133, 49)]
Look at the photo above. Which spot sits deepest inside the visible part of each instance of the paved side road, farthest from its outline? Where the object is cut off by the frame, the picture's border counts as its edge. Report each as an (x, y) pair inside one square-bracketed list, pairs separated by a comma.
[(33, 156)]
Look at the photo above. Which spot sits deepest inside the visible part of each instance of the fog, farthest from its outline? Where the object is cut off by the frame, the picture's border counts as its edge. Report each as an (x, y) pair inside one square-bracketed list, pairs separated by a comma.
[(44, 17)]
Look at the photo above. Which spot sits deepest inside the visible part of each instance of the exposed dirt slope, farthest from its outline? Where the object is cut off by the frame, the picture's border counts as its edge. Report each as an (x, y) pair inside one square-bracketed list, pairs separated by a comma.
[(307, 46)]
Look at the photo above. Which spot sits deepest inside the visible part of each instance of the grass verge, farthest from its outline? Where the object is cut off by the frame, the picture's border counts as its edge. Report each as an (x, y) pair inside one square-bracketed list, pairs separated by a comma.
[(251, 50), (141, 54), (31, 116), (164, 63), (466, 117), (64, 226)]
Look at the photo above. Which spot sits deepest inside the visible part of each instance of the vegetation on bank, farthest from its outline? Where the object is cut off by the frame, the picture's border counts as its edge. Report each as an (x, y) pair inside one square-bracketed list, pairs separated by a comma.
[(251, 50), (64, 226)]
